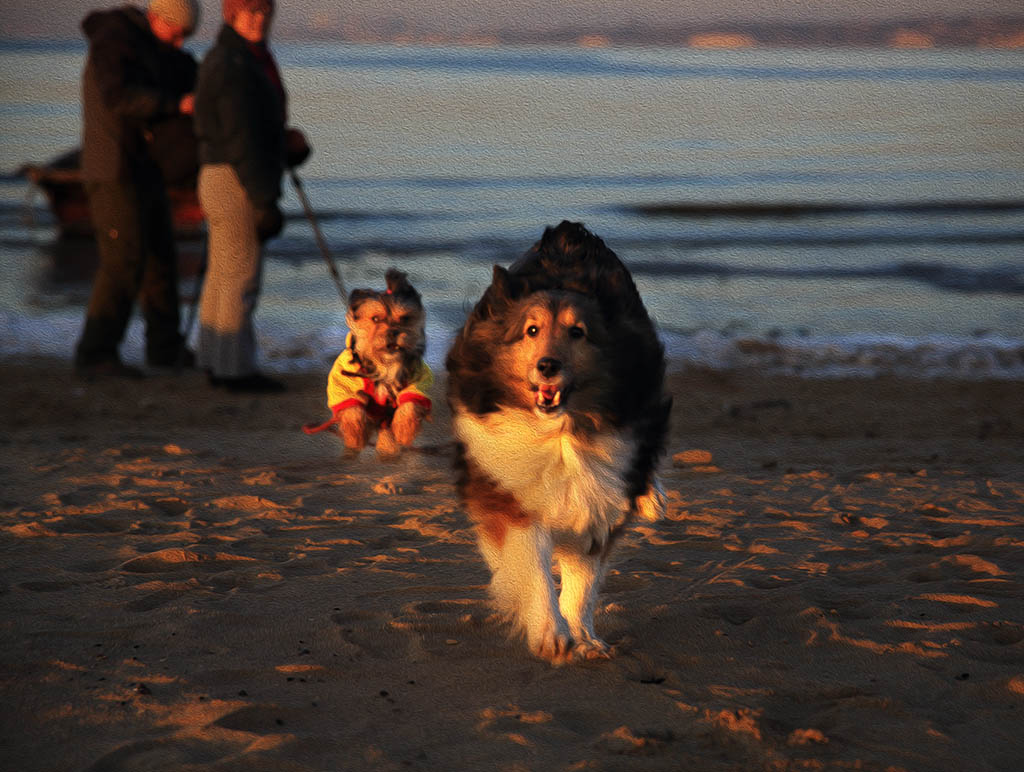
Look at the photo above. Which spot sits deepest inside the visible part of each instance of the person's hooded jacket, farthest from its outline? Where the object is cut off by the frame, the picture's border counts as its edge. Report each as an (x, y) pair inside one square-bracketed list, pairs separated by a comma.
[(131, 82)]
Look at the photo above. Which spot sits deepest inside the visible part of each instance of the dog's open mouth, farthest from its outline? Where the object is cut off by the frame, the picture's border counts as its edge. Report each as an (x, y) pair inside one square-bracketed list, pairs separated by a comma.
[(549, 397), (394, 349)]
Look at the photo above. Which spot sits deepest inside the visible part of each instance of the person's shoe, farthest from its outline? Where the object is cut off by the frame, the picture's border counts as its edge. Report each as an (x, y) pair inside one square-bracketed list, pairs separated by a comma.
[(257, 383), (108, 368), (182, 359)]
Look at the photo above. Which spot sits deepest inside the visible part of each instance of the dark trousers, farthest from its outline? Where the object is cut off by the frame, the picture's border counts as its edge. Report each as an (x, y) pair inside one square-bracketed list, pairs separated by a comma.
[(138, 258)]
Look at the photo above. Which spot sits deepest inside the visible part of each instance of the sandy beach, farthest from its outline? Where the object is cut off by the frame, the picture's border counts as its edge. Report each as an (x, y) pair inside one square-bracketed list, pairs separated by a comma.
[(191, 583)]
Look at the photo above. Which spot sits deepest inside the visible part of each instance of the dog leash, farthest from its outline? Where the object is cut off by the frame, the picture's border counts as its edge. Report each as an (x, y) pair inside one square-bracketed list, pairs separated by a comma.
[(331, 424)]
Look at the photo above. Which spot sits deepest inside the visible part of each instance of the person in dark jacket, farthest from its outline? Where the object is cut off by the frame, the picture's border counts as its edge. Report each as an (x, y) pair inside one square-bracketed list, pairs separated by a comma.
[(240, 122), (135, 78)]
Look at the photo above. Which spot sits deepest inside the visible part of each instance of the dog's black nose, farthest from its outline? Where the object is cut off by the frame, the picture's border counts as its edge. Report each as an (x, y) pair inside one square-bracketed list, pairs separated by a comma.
[(548, 366)]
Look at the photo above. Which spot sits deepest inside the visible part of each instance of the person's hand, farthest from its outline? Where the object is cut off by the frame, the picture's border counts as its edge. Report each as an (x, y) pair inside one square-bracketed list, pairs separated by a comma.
[(187, 104), (296, 148), (269, 221)]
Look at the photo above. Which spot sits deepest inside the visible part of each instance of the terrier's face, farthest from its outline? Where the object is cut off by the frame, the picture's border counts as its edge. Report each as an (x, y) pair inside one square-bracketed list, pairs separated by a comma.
[(389, 329)]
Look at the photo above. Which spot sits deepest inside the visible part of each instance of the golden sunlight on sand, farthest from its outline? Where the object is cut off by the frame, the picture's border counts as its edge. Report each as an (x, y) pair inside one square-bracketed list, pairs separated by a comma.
[(190, 583)]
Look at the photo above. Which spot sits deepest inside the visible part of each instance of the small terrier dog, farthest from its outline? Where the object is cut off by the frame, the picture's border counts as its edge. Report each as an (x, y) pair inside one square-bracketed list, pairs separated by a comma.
[(380, 382)]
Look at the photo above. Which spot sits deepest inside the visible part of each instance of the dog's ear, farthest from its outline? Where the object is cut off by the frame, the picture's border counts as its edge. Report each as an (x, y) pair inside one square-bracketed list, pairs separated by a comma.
[(396, 280), (495, 298), (501, 282), (498, 296), (398, 285), (358, 296)]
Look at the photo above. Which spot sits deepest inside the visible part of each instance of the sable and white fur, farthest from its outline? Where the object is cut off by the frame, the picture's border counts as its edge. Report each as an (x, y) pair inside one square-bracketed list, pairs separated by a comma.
[(556, 389)]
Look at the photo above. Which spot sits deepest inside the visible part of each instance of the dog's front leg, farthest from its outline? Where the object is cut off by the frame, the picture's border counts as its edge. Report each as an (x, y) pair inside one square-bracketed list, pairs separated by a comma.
[(651, 505), (407, 422), (581, 580), (521, 584), (355, 427)]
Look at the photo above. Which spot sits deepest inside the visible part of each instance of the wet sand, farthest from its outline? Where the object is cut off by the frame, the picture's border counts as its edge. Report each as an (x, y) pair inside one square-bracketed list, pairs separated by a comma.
[(190, 583)]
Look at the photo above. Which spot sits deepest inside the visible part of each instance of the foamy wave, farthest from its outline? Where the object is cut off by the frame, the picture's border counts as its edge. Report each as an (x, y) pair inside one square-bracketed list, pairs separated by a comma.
[(52, 334), (863, 355), (854, 355)]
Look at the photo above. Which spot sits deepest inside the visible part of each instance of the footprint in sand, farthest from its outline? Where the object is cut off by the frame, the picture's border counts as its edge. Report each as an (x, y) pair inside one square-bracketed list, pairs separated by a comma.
[(512, 724), (177, 559), (170, 506), (108, 523), (733, 613), (96, 566), (257, 719), (961, 566), (84, 495), (367, 633), (417, 632), (1003, 633), (627, 582), (642, 669), (161, 593), (626, 741), (768, 582), (849, 605), (156, 528), (168, 753), (154, 601), (451, 617), (47, 586)]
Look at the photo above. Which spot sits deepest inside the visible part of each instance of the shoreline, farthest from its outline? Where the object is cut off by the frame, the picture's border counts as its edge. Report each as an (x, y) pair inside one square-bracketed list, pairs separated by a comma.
[(38, 390), (190, 582), (984, 356)]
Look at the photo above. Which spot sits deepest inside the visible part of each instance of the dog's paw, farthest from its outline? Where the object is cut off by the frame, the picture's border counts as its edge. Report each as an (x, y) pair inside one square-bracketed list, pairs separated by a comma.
[(387, 447), (551, 642), (651, 506), (355, 427), (554, 648), (407, 422), (588, 648)]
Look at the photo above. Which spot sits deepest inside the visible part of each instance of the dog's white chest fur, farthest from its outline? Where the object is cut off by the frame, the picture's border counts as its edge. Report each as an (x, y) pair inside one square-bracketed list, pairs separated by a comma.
[(570, 484)]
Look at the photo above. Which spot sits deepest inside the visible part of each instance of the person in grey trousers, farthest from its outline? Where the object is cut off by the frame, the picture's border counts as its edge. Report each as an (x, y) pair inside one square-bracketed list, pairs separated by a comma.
[(244, 147)]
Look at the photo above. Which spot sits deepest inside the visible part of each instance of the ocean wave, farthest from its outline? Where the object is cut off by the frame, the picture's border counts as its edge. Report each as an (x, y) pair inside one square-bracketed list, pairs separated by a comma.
[(554, 61), (1005, 279), (835, 356), (861, 355), (774, 209)]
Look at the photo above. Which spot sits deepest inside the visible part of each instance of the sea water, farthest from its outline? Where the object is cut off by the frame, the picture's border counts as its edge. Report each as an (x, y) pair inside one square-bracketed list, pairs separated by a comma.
[(823, 212)]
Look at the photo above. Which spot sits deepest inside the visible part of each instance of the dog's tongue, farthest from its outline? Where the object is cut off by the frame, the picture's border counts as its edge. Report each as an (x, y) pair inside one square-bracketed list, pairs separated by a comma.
[(548, 395)]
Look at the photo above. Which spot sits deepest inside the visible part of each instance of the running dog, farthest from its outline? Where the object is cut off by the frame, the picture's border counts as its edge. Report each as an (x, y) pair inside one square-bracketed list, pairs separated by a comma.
[(380, 382), (556, 385)]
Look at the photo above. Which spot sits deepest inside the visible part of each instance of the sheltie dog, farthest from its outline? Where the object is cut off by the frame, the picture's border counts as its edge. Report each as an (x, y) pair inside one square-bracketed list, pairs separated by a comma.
[(556, 385), (380, 383)]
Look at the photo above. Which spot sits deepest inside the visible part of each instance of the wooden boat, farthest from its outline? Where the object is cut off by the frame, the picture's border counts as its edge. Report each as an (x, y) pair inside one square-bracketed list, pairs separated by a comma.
[(61, 182), (174, 148)]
